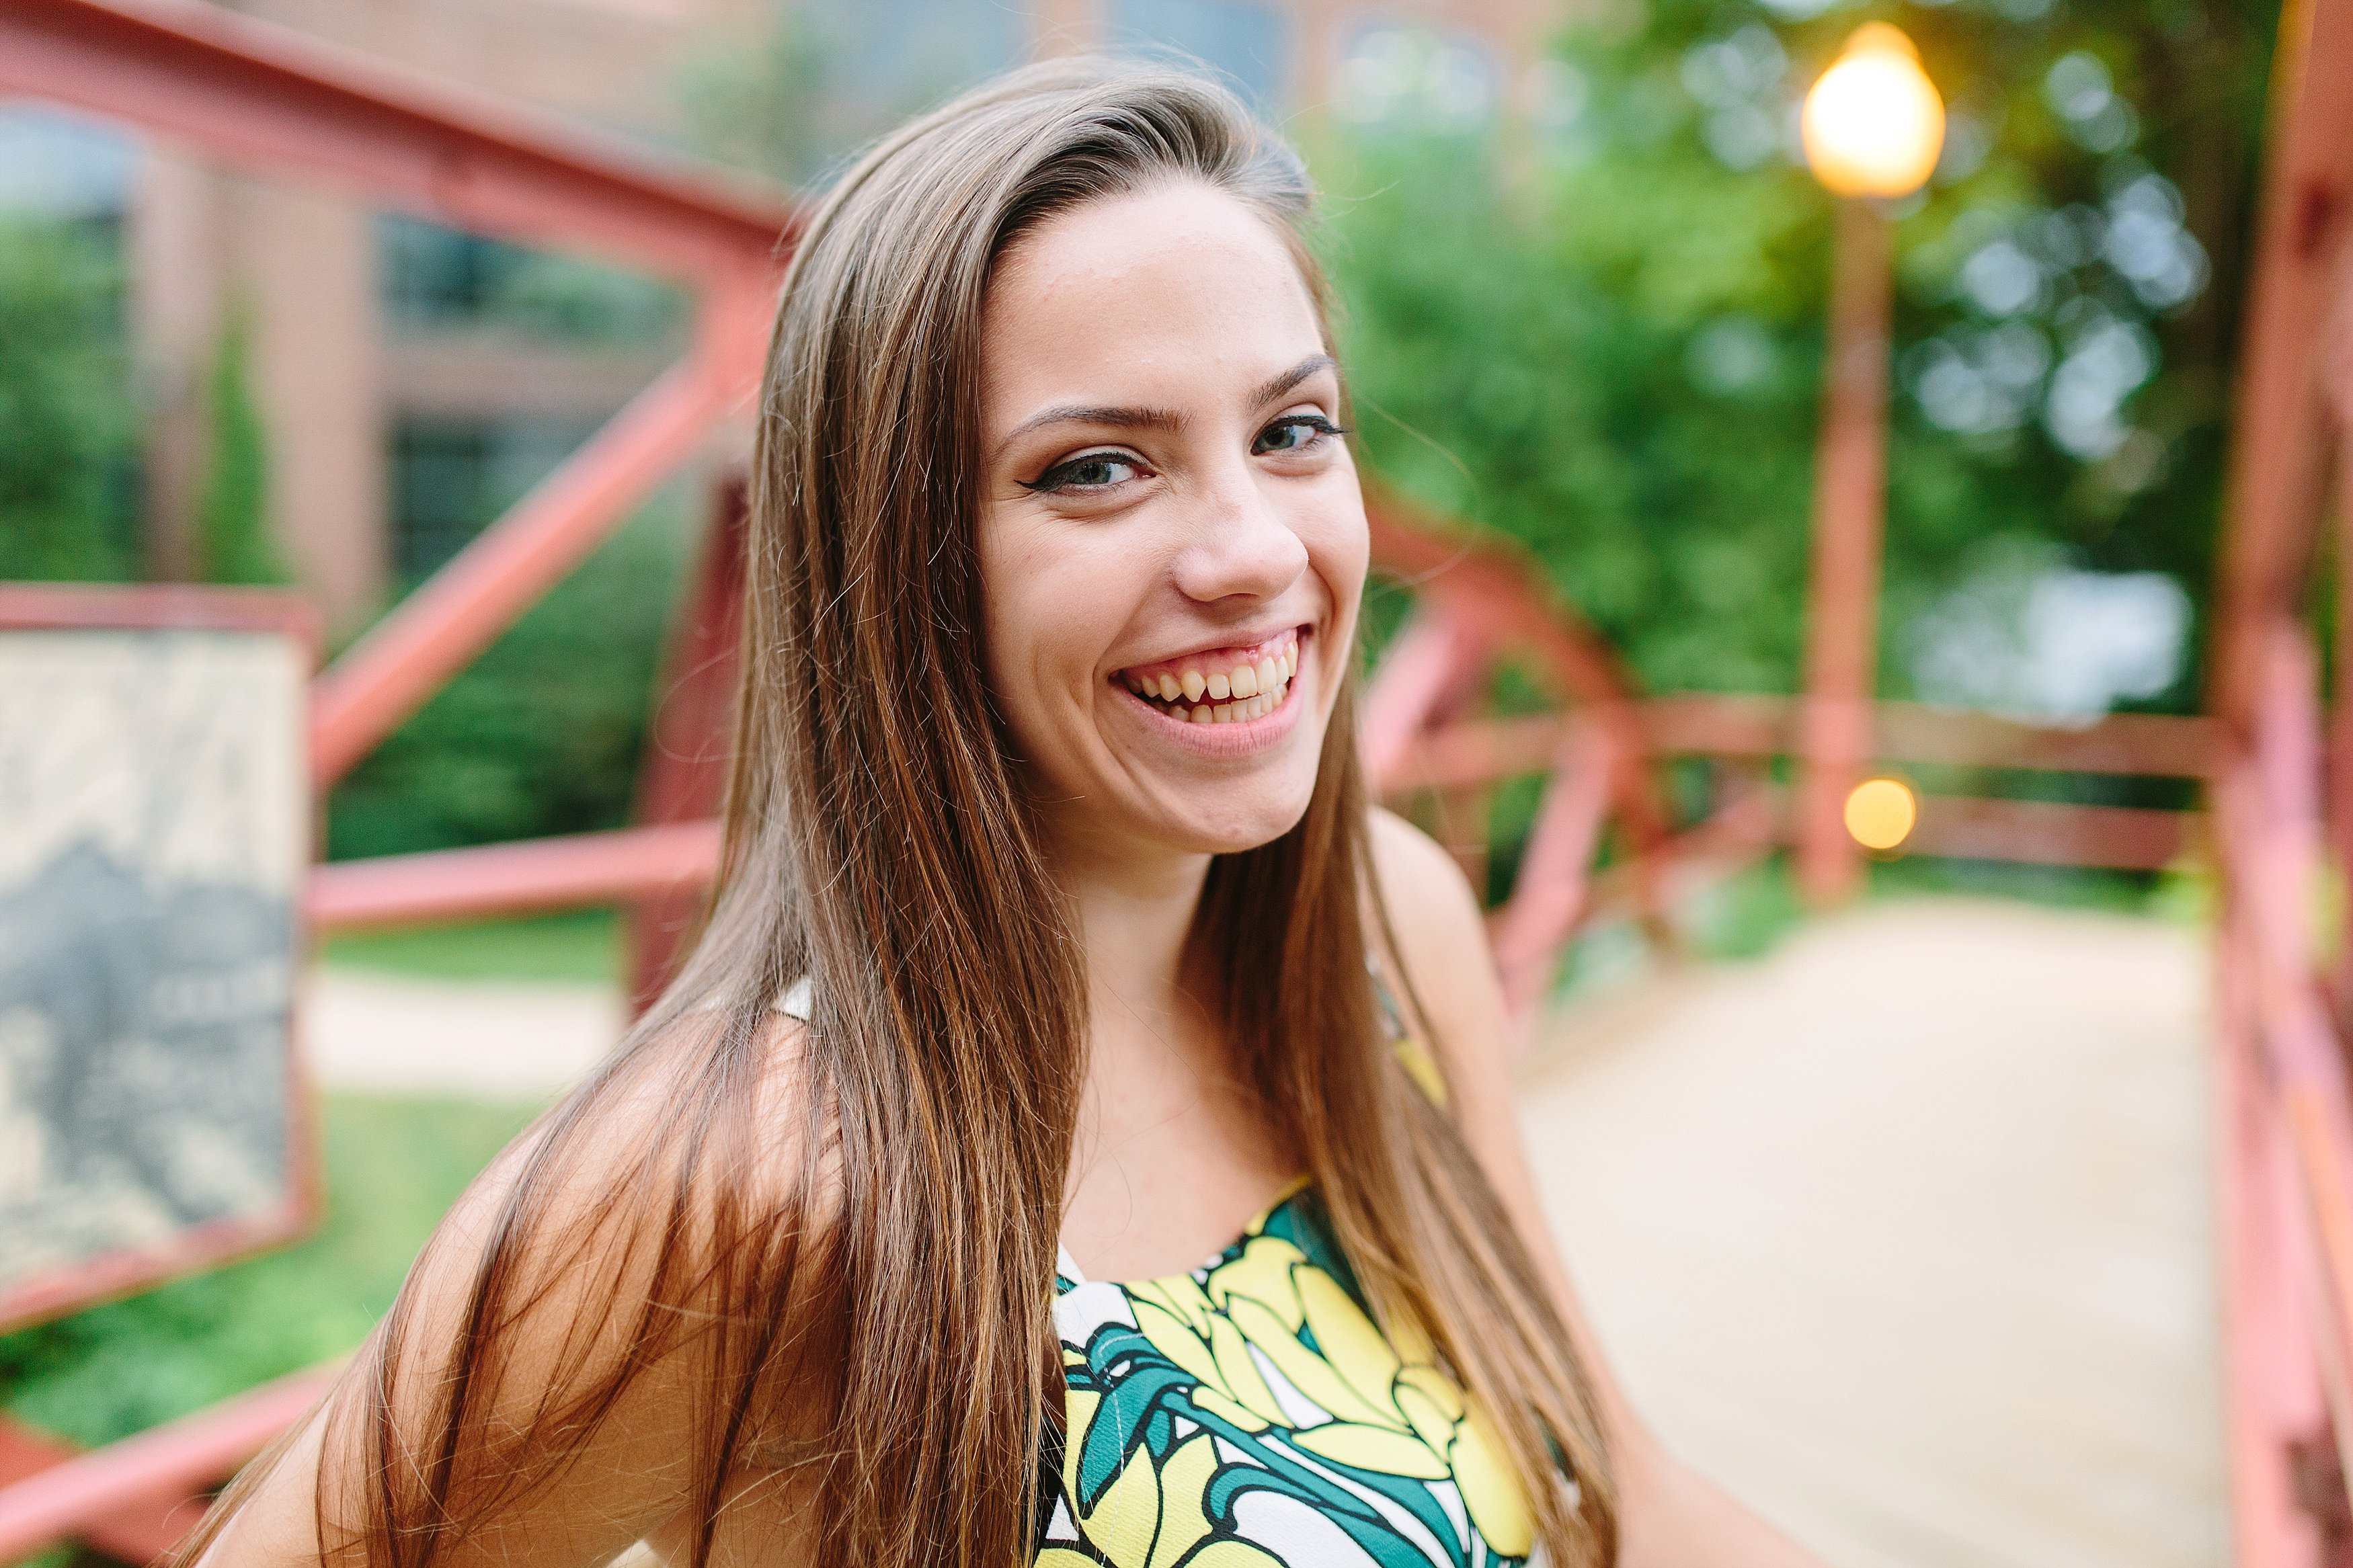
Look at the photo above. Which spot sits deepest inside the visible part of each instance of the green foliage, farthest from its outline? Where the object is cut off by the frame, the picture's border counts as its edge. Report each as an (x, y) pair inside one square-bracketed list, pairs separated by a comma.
[(394, 1167), (232, 538), (67, 421), (577, 945), (542, 733), (1607, 339)]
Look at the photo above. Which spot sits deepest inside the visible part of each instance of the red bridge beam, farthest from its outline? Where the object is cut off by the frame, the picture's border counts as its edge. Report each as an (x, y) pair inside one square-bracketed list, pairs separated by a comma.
[(530, 875), (87, 1492), (268, 96), (1473, 751), (461, 609)]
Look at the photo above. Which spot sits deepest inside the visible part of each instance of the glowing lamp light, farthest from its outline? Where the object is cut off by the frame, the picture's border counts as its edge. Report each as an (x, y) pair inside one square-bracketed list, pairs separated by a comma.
[(1874, 126), (1881, 813)]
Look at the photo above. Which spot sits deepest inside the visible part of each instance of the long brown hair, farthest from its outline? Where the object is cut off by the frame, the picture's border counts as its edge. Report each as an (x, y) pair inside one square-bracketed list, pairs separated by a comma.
[(882, 1310)]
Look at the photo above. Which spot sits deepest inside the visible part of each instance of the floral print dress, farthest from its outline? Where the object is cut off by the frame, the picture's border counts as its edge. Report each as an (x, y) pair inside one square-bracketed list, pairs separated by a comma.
[(1250, 1414)]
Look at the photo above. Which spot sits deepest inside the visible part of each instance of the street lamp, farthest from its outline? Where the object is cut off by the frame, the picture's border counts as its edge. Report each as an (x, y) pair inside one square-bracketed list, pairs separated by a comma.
[(1873, 127)]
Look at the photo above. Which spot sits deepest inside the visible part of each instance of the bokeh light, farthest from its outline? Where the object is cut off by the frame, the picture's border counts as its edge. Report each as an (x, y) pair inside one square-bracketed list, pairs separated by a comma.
[(1881, 813), (1873, 124)]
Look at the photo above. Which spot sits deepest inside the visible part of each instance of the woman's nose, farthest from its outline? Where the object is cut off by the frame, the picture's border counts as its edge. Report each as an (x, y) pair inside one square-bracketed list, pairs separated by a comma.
[(1241, 544)]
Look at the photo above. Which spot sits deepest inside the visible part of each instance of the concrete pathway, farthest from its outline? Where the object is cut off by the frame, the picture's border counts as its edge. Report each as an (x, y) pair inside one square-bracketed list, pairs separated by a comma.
[(497, 1040), (1905, 1232)]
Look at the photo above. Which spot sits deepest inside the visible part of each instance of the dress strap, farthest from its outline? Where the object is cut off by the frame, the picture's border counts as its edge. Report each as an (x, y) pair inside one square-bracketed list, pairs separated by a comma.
[(797, 1001), (1411, 1053)]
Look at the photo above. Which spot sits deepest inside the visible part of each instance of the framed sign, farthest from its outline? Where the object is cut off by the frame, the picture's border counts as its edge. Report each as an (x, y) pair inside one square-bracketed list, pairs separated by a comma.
[(154, 838)]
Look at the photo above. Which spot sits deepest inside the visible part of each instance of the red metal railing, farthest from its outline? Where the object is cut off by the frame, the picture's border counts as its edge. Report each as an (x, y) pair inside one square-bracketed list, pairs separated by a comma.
[(2286, 1144)]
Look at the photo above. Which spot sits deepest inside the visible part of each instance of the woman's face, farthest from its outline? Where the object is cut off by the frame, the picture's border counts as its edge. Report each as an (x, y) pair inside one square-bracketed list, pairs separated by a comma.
[(1171, 540)]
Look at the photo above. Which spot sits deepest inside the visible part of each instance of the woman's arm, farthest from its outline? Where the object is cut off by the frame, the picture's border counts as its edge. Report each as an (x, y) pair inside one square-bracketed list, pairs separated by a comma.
[(1668, 1517), (594, 1488)]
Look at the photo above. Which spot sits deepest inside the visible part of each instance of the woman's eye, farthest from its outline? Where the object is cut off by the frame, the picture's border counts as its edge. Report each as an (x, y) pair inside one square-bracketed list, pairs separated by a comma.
[(1294, 433), (1088, 472)]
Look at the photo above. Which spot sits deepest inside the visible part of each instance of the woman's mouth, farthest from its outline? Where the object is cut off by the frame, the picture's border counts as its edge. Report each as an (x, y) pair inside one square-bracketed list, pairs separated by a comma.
[(1223, 686)]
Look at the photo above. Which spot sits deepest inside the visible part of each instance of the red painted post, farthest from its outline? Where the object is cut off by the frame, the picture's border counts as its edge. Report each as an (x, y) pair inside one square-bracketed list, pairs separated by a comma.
[(2279, 455), (1843, 606), (684, 775), (2337, 383), (2273, 1401)]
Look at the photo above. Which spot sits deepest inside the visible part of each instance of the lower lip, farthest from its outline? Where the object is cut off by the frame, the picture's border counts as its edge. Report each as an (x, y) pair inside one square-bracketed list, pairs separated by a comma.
[(1238, 740)]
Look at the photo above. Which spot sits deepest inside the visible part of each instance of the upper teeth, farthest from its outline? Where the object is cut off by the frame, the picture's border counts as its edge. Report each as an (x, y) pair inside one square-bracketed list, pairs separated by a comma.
[(1244, 692)]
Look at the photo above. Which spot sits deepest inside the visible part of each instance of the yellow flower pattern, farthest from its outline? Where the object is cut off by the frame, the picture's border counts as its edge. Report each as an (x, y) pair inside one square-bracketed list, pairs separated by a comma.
[(1251, 1414)]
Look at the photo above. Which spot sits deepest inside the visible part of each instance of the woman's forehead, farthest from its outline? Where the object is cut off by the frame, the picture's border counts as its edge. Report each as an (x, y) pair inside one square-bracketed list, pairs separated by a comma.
[(1144, 294)]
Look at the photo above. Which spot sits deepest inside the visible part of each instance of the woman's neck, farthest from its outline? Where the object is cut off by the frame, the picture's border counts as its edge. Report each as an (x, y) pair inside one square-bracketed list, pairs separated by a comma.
[(1134, 905), (1172, 1153)]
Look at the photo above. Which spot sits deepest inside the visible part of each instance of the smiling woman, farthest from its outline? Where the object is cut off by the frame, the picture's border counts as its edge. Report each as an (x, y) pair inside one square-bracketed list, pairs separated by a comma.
[(1054, 951)]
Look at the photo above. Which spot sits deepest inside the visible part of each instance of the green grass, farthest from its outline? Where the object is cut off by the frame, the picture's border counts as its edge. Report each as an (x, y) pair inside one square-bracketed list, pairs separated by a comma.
[(392, 1166), (579, 944)]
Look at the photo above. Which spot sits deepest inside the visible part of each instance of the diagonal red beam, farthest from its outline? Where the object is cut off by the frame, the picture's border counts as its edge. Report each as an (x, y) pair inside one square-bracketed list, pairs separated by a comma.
[(176, 1458), (259, 95), (463, 607), (1421, 675), (135, 1530), (1495, 585), (1529, 933), (531, 874)]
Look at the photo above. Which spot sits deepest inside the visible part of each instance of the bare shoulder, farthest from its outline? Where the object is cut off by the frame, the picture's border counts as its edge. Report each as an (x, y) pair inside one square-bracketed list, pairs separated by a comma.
[(610, 1155), (1440, 947), (1424, 890), (580, 1272)]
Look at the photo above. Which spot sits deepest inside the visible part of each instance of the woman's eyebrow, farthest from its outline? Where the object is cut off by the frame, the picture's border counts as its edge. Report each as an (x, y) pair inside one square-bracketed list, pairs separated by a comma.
[(1120, 418), (1095, 413), (1290, 378)]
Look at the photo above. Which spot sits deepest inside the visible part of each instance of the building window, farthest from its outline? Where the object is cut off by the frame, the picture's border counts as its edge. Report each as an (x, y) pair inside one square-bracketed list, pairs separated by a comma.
[(451, 477)]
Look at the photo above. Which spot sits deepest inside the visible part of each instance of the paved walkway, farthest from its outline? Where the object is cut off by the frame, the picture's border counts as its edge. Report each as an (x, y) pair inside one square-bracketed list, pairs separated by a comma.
[(1905, 1232), (498, 1040)]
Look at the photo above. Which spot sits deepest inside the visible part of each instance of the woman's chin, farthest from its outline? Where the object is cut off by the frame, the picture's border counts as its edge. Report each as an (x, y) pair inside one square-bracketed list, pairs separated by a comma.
[(1226, 828)]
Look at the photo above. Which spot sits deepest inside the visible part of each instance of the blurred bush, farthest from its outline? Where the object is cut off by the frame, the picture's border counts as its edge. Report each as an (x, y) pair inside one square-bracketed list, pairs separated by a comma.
[(69, 453), (394, 1166), (542, 733), (233, 539)]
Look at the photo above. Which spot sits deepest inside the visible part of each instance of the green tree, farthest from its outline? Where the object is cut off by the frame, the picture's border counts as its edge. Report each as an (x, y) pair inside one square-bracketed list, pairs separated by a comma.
[(67, 421), (233, 540), (542, 734), (1608, 343)]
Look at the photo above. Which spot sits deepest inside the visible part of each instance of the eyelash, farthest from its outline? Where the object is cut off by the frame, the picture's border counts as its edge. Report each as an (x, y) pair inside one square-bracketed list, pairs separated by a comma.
[(1046, 483)]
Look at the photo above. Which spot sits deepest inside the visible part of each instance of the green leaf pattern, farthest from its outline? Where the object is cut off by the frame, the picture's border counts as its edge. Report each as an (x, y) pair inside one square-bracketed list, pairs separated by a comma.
[(1250, 1414)]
